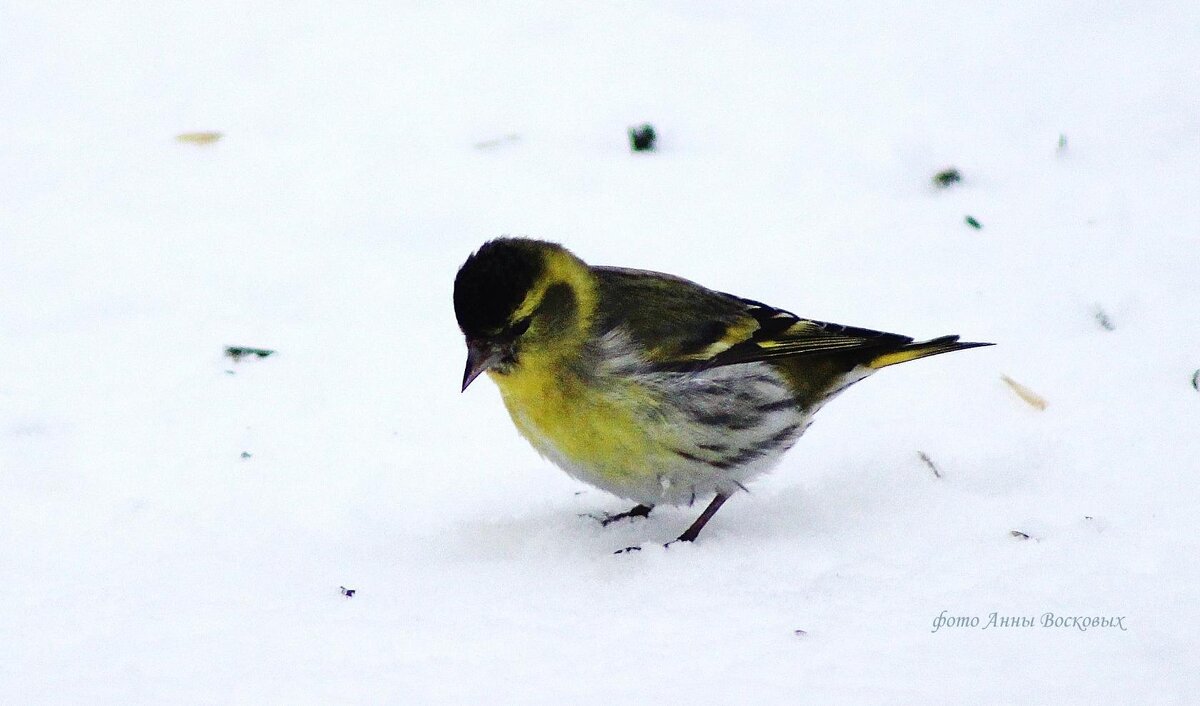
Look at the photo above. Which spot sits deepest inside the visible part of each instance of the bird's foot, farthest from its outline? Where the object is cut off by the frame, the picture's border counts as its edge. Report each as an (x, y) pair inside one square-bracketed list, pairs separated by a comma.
[(636, 511), (677, 540)]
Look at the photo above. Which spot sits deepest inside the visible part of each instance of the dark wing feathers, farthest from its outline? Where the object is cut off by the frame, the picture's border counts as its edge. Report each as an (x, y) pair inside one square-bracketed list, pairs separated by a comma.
[(782, 334), (672, 318), (683, 325)]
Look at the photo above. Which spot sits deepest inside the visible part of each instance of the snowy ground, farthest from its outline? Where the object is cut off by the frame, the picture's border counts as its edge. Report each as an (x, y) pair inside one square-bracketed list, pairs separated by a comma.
[(144, 560)]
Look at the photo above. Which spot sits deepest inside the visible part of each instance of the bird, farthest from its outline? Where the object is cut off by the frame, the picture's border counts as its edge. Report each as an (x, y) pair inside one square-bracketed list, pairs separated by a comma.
[(649, 386)]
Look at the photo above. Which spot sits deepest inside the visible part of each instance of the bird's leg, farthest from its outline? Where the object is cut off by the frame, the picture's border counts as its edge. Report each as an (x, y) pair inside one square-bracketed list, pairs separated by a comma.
[(635, 511), (692, 532)]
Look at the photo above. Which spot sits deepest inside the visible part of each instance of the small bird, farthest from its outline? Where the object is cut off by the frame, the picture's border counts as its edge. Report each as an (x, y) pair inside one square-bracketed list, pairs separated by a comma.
[(647, 385)]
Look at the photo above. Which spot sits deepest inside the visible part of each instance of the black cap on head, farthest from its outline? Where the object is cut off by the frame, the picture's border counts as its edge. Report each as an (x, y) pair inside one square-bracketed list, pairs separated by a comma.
[(493, 282)]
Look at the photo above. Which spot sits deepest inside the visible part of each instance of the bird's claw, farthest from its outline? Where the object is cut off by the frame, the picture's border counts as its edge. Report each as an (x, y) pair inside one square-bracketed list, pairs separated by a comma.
[(608, 518)]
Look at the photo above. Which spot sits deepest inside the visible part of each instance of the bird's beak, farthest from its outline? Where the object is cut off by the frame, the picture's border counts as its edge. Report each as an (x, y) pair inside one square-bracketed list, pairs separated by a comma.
[(480, 357)]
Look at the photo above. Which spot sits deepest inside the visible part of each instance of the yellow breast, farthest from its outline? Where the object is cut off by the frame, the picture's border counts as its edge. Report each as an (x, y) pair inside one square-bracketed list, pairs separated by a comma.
[(615, 430)]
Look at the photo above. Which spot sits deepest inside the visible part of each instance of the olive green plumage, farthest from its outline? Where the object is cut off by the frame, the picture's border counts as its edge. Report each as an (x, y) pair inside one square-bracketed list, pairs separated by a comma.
[(648, 385)]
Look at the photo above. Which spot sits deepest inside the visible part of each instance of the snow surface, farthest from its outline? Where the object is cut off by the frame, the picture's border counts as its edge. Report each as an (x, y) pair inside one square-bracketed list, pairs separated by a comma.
[(144, 560)]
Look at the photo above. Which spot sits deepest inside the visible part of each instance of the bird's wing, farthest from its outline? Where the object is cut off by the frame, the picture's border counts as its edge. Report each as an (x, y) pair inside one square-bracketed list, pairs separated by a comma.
[(680, 324)]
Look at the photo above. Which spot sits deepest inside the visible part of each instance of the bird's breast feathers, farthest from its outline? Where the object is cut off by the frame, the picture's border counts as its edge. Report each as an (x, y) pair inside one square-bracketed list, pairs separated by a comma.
[(649, 435)]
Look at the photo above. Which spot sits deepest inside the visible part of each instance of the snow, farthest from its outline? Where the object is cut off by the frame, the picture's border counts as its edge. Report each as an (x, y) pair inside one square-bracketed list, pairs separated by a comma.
[(144, 560)]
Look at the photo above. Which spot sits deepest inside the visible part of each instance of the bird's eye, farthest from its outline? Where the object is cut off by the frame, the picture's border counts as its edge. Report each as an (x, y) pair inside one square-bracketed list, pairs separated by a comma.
[(520, 327)]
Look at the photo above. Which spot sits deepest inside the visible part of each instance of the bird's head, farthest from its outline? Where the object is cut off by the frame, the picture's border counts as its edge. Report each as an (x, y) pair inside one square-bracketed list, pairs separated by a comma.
[(518, 299)]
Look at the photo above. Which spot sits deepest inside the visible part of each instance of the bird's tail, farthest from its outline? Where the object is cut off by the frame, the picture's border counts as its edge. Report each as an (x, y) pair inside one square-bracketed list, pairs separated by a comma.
[(913, 351)]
